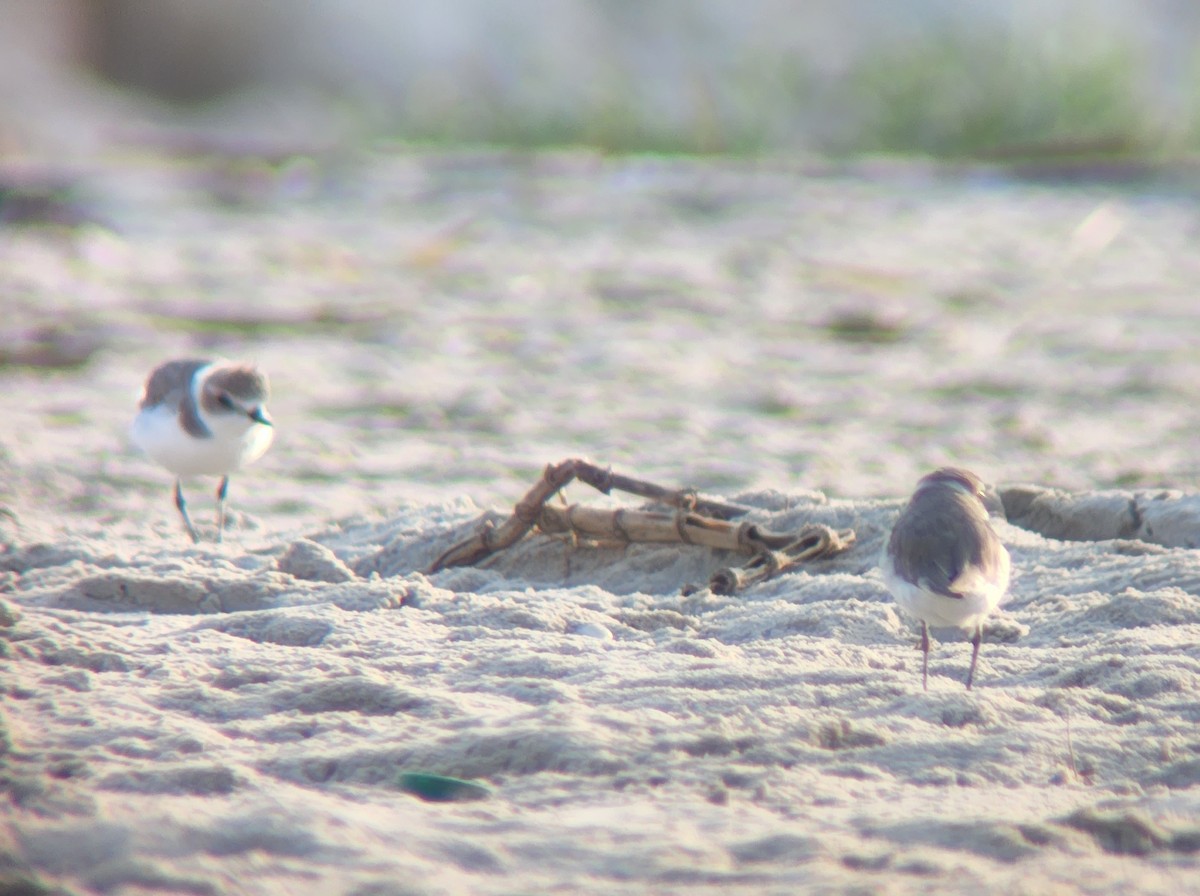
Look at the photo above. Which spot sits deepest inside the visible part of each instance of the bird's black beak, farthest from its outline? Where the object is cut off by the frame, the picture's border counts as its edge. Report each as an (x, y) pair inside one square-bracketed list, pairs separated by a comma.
[(258, 415)]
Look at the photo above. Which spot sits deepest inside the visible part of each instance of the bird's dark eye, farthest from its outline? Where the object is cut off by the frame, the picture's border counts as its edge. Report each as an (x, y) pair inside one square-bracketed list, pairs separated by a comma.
[(226, 402)]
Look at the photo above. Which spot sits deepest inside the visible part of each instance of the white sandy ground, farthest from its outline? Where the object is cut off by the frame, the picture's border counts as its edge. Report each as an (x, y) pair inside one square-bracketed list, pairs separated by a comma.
[(233, 719)]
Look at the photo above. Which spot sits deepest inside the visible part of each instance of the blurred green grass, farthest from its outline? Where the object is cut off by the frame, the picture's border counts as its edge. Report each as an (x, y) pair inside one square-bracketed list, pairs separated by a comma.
[(974, 95), (956, 92), (1061, 80)]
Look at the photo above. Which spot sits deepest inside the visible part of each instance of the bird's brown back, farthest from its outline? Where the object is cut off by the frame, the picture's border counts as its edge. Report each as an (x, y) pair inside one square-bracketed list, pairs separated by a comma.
[(939, 533), (168, 385)]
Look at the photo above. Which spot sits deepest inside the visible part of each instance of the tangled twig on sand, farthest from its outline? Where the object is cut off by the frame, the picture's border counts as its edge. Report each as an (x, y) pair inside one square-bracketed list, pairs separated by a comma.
[(696, 520)]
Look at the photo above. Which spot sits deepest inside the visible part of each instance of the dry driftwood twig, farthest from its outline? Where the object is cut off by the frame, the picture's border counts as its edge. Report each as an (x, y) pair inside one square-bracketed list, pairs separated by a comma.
[(811, 543), (696, 520), (530, 508)]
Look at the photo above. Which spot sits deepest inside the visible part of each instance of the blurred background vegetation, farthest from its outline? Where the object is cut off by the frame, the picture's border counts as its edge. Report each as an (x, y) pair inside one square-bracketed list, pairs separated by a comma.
[(953, 79)]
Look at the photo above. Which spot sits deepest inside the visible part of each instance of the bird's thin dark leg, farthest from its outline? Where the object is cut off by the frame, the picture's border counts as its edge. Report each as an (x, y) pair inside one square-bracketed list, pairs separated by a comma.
[(222, 491), (975, 641), (925, 655), (182, 505)]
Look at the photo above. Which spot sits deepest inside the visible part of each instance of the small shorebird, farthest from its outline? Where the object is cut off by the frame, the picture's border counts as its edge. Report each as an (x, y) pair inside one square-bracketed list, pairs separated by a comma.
[(200, 417), (944, 563)]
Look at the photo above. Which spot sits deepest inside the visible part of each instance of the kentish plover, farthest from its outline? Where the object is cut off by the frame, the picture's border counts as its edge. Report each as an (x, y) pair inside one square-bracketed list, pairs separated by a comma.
[(200, 417)]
